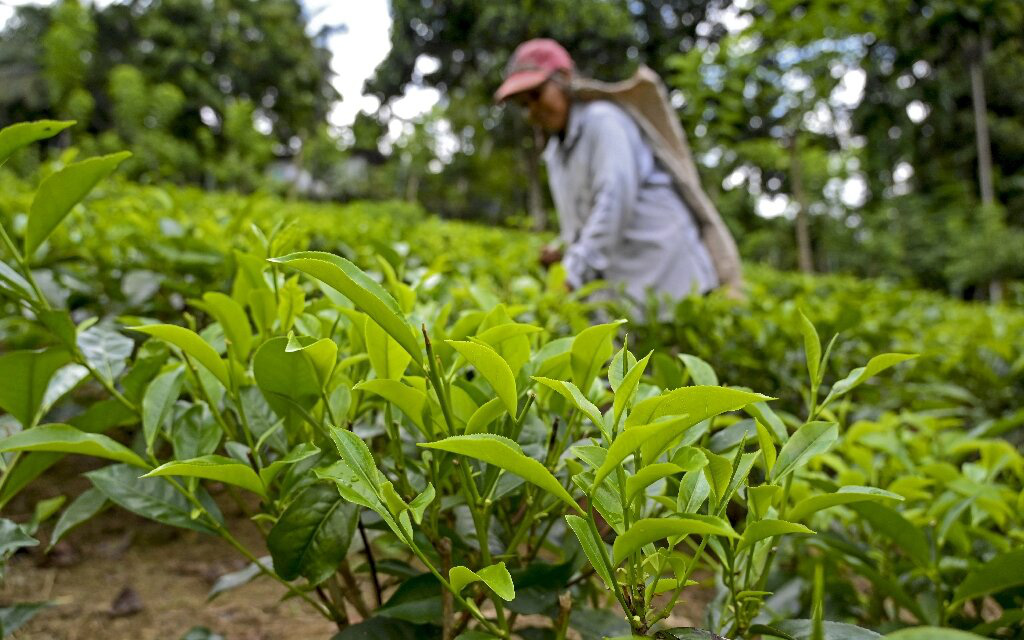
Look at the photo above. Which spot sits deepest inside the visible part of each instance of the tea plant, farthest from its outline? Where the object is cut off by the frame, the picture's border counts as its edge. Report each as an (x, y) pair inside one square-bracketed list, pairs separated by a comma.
[(436, 468)]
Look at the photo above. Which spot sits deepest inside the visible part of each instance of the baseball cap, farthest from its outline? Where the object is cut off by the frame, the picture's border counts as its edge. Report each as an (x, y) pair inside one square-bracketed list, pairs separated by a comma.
[(532, 63)]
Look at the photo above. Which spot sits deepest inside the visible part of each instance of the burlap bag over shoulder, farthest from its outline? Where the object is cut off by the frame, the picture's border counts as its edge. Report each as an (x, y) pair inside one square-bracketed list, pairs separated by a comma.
[(644, 97)]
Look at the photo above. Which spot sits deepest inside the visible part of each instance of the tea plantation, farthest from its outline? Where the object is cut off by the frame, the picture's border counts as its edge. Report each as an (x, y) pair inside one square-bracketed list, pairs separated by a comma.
[(435, 440)]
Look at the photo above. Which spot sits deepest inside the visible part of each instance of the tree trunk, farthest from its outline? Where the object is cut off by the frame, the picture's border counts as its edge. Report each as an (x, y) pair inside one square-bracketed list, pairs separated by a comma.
[(535, 191), (986, 187), (805, 257), (977, 67)]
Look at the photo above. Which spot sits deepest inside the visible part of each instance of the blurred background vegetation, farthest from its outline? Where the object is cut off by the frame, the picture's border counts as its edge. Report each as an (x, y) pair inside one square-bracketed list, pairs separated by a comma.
[(871, 137)]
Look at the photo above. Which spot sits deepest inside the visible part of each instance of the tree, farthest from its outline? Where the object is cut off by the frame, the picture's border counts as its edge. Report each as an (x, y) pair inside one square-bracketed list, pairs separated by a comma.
[(206, 91)]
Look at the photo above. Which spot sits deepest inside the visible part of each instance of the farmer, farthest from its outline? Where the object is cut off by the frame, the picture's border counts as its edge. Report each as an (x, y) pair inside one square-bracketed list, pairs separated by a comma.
[(630, 205)]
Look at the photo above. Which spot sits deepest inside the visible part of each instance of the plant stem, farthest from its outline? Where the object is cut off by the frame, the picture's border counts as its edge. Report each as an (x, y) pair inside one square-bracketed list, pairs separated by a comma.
[(605, 560), (476, 507), (372, 562), (25, 268), (207, 399), (128, 404)]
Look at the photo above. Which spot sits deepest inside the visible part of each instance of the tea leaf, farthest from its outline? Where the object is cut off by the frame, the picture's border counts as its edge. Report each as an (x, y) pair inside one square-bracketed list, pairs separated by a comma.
[(495, 576), (632, 439), (764, 439), (157, 403), (357, 456), (67, 439), (388, 358), (762, 497), (648, 530), (700, 371), (152, 498), (213, 467), (761, 529), (85, 506), (690, 458), (697, 403), (833, 630), (844, 495), (421, 502), (487, 413), (298, 454), (590, 547), (22, 134), (358, 287), (649, 475), (13, 537), (412, 402), (504, 453), (493, 368), (894, 526), (811, 439), (322, 355), (313, 535), (26, 375), (233, 320), (812, 348), (694, 489), (60, 191), (874, 366), (192, 344), (627, 389), (591, 348), (571, 392), (931, 633), (617, 368), (1000, 573)]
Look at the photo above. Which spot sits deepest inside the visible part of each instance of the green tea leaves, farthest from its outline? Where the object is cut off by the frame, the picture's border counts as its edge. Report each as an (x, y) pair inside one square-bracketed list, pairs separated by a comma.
[(22, 134), (505, 454), (213, 467), (648, 530), (62, 190), (26, 375), (812, 348), (67, 439), (861, 374), (496, 577), (571, 392), (591, 547), (845, 495), (313, 535), (493, 368), (813, 438), (761, 529), (362, 290), (591, 348), (1001, 572), (192, 344)]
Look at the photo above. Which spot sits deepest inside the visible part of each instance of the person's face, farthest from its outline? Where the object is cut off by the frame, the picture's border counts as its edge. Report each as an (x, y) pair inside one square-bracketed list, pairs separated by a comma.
[(547, 106)]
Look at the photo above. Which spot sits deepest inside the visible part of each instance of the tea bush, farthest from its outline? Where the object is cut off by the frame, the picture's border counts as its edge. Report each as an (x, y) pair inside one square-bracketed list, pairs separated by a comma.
[(446, 426)]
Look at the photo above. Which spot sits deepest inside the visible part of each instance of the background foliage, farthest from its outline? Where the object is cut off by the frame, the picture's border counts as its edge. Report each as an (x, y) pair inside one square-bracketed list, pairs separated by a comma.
[(886, 180)]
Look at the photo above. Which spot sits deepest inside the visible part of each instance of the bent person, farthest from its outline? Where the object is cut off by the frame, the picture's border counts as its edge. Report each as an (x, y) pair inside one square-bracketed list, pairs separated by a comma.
[(631, 210)]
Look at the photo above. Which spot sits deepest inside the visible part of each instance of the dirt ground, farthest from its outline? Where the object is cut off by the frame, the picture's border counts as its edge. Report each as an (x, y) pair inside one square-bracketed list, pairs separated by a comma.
[(118, 562), (120, 577)]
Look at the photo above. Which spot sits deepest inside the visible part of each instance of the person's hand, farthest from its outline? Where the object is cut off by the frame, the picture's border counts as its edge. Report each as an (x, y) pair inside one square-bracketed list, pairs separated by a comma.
[(550, 254)]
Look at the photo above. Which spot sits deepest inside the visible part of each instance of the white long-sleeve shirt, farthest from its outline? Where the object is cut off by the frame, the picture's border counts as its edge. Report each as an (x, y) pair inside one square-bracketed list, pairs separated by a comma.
[(621, 218)]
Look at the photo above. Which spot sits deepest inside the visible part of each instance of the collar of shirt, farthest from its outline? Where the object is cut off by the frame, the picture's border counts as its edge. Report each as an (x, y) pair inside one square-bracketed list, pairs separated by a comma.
[(573, 129)]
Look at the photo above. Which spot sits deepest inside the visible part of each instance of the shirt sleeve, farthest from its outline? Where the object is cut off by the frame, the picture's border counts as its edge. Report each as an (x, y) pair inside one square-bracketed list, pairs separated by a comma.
[(615, 184)]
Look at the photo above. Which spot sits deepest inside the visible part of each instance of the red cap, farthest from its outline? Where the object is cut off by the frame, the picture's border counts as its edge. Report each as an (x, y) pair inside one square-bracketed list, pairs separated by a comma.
[(532, 63)]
